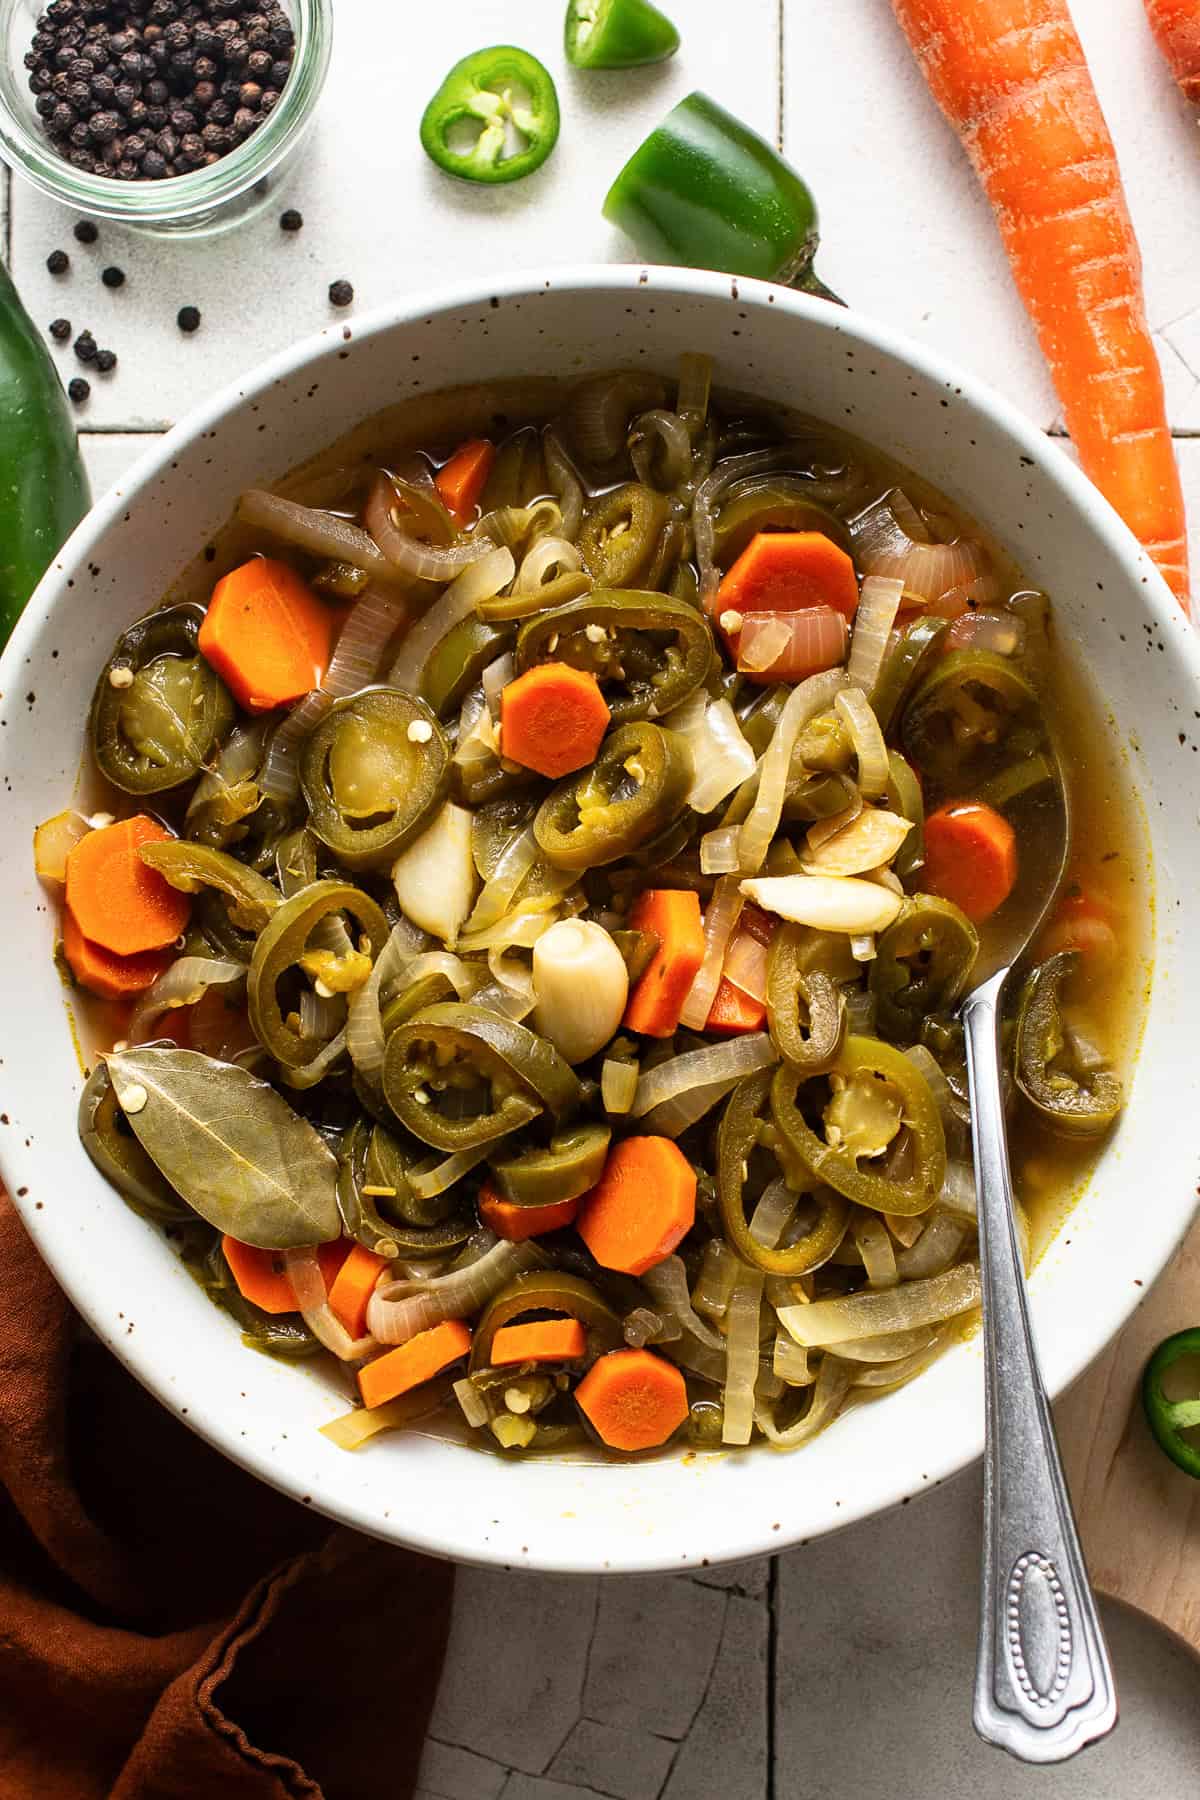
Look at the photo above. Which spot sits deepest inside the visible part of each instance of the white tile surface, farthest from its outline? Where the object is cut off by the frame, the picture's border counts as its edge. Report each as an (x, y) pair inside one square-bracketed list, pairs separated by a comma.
[(376, 211), (559, 1690)]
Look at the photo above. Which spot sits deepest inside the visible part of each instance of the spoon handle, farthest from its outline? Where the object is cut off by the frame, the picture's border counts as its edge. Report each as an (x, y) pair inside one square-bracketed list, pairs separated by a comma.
[(1043, 1682)]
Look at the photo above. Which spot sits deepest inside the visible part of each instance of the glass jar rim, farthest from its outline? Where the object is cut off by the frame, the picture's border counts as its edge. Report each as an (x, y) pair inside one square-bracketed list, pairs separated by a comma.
[(192, 196)]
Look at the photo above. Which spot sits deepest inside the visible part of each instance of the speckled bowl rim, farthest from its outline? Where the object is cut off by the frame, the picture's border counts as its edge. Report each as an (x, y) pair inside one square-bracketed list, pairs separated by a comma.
[(731, 1540)]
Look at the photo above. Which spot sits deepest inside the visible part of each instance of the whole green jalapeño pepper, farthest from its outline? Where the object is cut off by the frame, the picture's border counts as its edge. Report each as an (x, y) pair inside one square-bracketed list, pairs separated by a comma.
[(42, 480), (707, 192), (459, 1076), (372, 773), (505, 93), (746, 1130), (648, 651), (617, 34), (922, 965), (1169, 1419), (635, 787), (1070, 1100), (159, 708), (865, 1063)]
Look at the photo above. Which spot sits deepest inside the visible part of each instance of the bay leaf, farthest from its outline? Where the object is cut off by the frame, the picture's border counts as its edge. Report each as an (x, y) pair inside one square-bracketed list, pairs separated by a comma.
[(230, 1146)]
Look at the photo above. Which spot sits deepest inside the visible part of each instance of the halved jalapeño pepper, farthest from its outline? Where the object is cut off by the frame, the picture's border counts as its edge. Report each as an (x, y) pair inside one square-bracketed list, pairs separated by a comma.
[(372, 773), (963, 721), (552, 1291), (617, 34), (108, 1139), (635, 787), (876, 1093), (621, 538), (506, 95), (459, 1076), (159, 708), (1170, 1419), (707, 192), (1069, 1098), (745, 1136), (546, 1175), (283, 944), (806, 1009), (922, 965), (648, 651)]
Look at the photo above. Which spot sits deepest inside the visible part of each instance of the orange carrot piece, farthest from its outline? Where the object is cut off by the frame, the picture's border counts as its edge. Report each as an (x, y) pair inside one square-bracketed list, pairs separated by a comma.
[(409, 1365), (970, 857), (260, 1276), (267, 634), (552, 719), (541, 1340), (353, 1286), (788, 571), (519, 1222), (643, 1205), (1176, 25), (117, 901), (1011, 78), (108, 976), (733, 1012), (461, 481), (330, 1258), (1082, 922), (633, 1399), (673, 915)]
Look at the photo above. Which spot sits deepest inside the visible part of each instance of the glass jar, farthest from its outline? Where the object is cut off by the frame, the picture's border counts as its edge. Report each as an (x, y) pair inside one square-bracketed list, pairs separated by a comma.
[(207, 200)]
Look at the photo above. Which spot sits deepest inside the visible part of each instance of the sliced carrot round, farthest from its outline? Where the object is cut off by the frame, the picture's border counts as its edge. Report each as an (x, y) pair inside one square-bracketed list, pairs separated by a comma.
[(117, 901), (634, 1400), (105, 975), (643, 1205), (553, 719), (519, 1222), (970, 857), (267, 634)]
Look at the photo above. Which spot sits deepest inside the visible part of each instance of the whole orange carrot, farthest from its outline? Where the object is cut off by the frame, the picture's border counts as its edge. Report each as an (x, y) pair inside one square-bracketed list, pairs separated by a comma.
[(1176, 25), (1010, 76)]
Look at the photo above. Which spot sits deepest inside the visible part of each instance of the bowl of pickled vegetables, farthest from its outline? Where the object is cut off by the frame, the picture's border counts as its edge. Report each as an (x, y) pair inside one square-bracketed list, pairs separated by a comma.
[(503, 876)]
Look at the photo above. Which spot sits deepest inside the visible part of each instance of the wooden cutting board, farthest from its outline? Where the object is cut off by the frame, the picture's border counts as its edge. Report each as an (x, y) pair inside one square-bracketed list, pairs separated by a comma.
[(1139, 1515)]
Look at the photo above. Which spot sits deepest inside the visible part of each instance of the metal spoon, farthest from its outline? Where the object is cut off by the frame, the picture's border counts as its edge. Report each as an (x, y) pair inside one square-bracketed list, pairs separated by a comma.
[(1043, 1681)]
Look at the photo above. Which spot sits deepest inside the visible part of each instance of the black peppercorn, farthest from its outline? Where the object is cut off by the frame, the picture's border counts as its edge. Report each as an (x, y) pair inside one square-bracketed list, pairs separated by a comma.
[(79, 389), (60, 330), (244, 122), (154, 165), (85, 347), (188, 318), (106, 361), (291, 220), (340, 293), (112, 277), (269, 101), (86, 232), (58, 262)]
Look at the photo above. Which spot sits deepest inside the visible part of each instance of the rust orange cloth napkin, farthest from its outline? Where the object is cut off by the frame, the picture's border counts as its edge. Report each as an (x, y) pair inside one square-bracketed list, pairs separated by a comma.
[(170, 1627)]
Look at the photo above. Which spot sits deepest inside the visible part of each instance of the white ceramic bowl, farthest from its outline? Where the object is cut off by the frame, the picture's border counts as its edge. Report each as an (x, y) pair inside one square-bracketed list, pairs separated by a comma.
[(123, 1277)]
